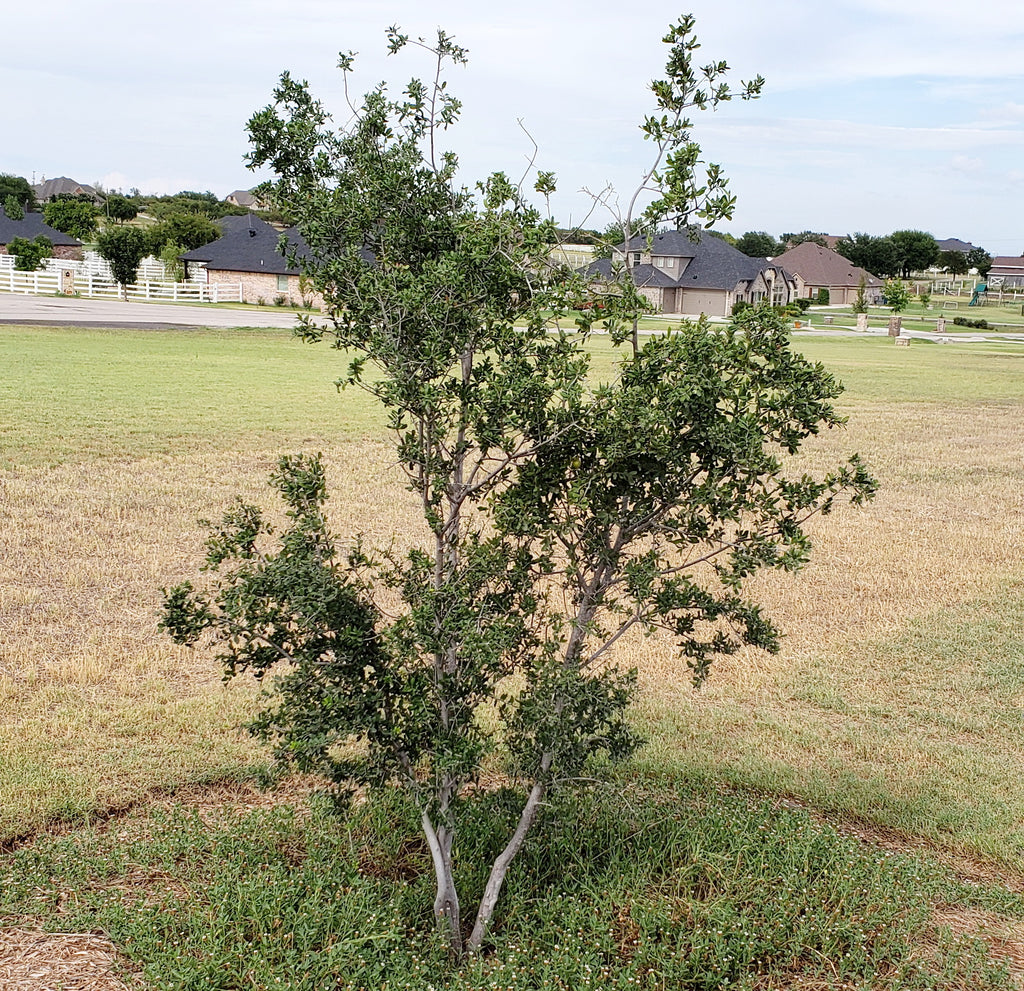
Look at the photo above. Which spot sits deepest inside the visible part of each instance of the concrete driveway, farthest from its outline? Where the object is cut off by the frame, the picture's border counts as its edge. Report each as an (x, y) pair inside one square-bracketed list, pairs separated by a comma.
[(55, 310)]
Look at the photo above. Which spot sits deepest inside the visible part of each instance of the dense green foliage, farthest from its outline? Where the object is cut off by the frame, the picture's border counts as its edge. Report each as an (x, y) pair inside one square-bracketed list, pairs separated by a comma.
[(954, 262), (655, 888), (120, 209), (758, 244), (77, 217), (876, 255), (123, 248), (189, 230), (13, 208), (916, 251), (980, 259), (29, 255), (19, 188)]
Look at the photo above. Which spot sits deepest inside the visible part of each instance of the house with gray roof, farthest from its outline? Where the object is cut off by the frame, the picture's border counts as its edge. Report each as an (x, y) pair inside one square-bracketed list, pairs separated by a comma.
[(245, 198), (955, 244), (63, 186), (709, 276), (816, 267), (30, 227), (248, 253)]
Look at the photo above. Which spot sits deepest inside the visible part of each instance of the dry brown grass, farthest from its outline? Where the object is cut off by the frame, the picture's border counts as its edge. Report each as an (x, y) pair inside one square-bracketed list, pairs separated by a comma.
[(97, 707), (36, 961)]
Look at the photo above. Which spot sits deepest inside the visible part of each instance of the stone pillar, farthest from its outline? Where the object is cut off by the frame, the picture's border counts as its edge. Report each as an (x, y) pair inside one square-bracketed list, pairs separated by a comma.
[(940, 325), (862, 322), (895, 326)]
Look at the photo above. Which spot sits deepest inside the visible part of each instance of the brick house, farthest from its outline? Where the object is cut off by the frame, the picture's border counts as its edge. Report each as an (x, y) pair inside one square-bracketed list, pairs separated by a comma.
[(30, 227), (248, 253), (678, 275), (817, 268)]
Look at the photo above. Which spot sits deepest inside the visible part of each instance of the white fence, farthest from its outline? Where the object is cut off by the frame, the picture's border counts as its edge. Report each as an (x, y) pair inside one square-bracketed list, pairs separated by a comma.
[(51, 282)]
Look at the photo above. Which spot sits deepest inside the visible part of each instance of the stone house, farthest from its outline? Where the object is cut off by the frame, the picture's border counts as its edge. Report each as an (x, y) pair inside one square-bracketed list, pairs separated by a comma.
[(30, 227), (684, 276), (815, 268)]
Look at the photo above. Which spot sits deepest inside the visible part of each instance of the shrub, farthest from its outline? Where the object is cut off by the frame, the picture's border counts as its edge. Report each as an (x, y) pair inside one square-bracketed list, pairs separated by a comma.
[(29, 255), (967, 322), (823, 297), (802, 305), (739, 306)]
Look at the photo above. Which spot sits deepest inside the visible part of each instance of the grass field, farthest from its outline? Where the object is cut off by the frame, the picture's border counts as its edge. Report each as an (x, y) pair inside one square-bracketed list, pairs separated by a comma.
[(894, 708)]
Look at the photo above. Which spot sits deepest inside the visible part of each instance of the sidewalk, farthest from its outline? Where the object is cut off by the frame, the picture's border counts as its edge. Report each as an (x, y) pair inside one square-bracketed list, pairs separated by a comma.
[(57, 311)]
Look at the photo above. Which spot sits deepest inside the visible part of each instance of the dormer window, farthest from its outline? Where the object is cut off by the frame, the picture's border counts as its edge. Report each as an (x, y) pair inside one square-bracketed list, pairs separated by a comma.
[(636, 257)]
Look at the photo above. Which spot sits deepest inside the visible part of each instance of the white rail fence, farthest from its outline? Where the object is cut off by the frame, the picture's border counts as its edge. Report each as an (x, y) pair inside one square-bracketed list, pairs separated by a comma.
[(54, 281)]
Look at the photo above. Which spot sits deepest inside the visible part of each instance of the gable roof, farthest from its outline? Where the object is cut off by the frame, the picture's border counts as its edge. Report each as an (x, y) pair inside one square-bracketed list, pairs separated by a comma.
[(63, 185), (819, 266), (1007, 265), (713, 263), (243, 197), (249, 244), (30, 227), (955, 244)]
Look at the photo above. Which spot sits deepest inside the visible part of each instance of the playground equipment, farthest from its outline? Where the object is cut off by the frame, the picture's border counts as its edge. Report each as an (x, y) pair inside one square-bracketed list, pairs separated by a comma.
[(979, 290)]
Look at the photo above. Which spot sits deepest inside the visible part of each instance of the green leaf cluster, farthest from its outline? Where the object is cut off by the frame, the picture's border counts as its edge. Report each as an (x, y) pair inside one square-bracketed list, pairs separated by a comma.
[(75, 217), (29, 255)]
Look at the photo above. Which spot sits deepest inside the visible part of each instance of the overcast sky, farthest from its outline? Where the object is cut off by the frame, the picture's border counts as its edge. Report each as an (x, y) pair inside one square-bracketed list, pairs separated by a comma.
[(877, 115)]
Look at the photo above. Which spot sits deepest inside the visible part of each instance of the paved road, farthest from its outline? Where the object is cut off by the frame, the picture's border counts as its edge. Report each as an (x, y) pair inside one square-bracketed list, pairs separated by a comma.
[(53, 310)]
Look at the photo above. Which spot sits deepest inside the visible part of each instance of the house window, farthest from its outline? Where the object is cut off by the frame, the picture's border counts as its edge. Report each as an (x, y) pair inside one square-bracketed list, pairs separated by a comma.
[(636, 257), (282, 283)]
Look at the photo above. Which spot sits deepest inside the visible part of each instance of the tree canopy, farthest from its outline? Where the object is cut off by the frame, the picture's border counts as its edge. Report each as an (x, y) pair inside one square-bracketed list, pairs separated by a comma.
[(19, 188), (120, 209), (877, 255), (955, 262), (190, 230), (758, 244), (124, 248), (559, 512), (980, 259), (77, 217), (915, 251), (29, 255)]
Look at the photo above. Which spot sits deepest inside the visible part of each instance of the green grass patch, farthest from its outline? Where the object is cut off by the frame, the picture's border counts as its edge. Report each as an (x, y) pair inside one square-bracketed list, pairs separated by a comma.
[(667, 888), (80, 394)]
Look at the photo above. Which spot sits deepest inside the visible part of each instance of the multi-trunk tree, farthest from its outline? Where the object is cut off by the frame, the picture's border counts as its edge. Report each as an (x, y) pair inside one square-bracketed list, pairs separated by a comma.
[(559, 513)]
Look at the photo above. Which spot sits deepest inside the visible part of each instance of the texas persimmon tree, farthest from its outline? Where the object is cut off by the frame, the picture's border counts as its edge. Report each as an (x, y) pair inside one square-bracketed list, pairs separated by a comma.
[(561, 513)]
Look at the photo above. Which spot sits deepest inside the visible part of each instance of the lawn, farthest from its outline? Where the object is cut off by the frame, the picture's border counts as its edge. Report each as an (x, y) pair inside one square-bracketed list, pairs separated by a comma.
[(894, 707)]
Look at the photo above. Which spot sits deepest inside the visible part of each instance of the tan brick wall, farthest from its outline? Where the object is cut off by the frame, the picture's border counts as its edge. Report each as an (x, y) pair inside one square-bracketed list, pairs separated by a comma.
[(263, 286), (65, 251)]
